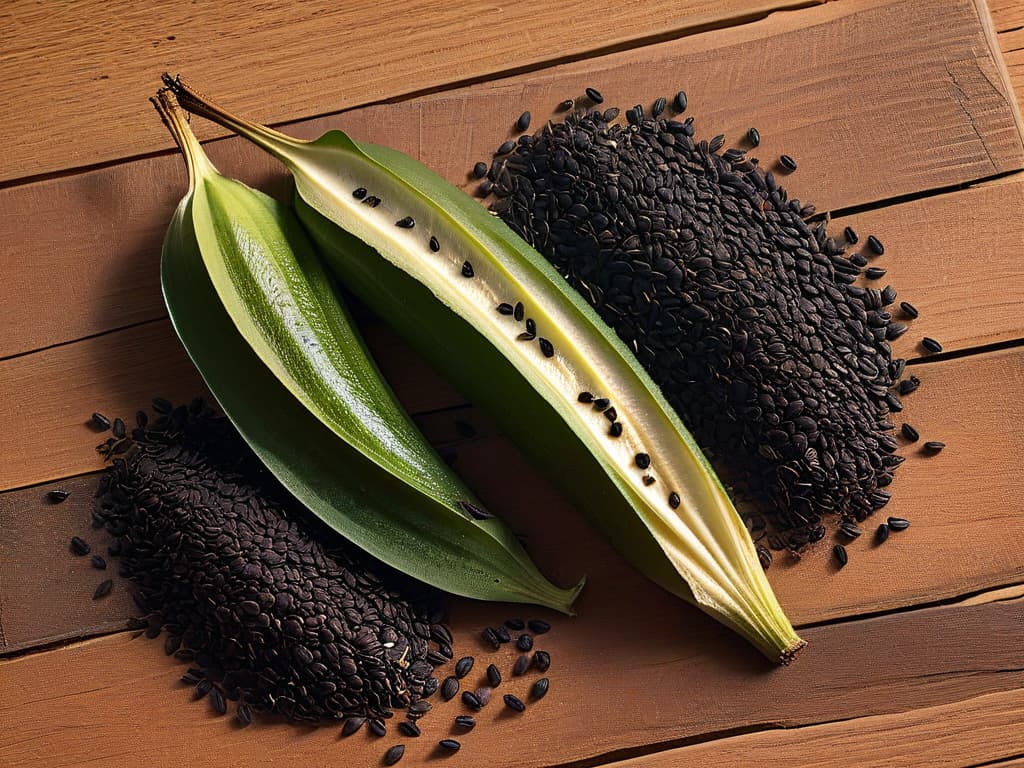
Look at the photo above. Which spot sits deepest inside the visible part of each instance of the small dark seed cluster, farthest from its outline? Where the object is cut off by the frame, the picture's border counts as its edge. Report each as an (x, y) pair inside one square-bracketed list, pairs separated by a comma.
[(739, 305), (246, 588)]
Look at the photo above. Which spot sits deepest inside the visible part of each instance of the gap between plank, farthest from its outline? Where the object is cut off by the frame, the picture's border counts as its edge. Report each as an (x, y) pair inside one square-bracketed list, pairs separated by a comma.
[(604, 50)]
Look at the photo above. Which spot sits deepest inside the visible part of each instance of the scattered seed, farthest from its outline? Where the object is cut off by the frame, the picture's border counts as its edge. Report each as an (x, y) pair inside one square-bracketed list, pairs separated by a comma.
[(468, 722), (523, 122), (874, 273), (244, 715), (540, 688), (202, 688), (594, 95), (908, 309), (470, 700), (57, 495), (522, 664), (493, 676), (451, 745), (351, 725), (787, 162), (377, 727), (467, 269), (566, 105), (541, 661), (849, 529), (491, 638), (484, 188), (394, 754), (372, 201), (659, 106), (119, 429), (673, 500), (611, 414), (908, 385), (79, 546), (100, 421), (839, 553), (933, 446), (449, 688), (103, 589), (642, 460), (679, 102), (409, 728), (875, 245), (100, 564), (463, 666), (217, 702), (524, 643), (858, 260), (505, 147), (881, 534), (514, 703), (898, 523), (479, 170), (483, 695), (539, 626), (420, 707), (850, 235), (931, 345), (162, 406), (764, 556)]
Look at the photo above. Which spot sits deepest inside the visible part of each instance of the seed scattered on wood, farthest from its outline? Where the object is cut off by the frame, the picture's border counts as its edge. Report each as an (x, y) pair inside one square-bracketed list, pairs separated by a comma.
[(679, 102), (875, 245), (244, 715), (858, 260), (470, 700), (642, 460), (57, 495), (909, 385), (542, 661), (874, 273), (659, 106), (839, 553), (933, 446), (673, 500), (521, 665), (467, 269), (787, 162), (540, 688), (79, 546), (409, 728), (539, 626), (483, 695), (898, 523), (931, 345), (97, 562), (493, 676), (594, 95), (490, 637), (523, 122), (351, 725), (764, 556), (119, 429), (450, 745), (217, 702), (463, 666), (394, 754), (881, 533), (202, 688), (467, 722), (103, 589), (505, 147), (566, 105), (420, 707), (610, 114), (514, 703), (377, 727), (849, 529), (524, 643), (850, 235), (99, 421), (449, 688), (908, 309)]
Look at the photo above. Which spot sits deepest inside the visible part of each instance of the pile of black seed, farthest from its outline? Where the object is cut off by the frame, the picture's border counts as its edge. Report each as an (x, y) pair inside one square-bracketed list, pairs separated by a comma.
[(739, 306), (275, 611)]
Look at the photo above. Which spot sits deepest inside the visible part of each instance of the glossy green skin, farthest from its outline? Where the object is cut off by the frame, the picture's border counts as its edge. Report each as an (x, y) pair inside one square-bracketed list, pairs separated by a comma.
[(354, 493)]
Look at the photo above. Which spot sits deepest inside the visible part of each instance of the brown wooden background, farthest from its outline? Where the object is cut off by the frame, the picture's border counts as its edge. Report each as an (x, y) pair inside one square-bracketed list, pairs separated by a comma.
[(902, 116)]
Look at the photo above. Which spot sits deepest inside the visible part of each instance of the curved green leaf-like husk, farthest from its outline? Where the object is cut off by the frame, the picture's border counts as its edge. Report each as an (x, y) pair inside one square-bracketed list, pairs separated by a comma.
[(380, 512)]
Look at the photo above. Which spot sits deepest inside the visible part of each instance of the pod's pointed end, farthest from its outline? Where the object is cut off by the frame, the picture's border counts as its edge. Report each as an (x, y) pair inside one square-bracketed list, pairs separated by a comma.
[(791, 651)]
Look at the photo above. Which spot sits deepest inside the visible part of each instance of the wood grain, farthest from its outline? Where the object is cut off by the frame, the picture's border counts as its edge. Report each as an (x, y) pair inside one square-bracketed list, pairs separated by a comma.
[(80, 69), (1006, 14), (979, 731), (82, 254), (626, 675), (974, 404)]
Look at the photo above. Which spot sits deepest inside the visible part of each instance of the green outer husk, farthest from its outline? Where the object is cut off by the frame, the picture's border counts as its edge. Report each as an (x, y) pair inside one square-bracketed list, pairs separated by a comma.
[(351, 493), (711, 549)]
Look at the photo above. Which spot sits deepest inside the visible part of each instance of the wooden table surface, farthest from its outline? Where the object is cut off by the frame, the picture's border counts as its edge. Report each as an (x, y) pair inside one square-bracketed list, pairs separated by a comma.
[(903, 116)]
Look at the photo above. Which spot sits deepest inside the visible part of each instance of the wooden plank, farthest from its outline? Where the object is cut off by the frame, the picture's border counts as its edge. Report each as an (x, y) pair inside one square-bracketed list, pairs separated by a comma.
[(972, 403), (1006, 14), (1013, 54), (956, 125), (81, 69), (53, 392), (979, 731), (627, 673)]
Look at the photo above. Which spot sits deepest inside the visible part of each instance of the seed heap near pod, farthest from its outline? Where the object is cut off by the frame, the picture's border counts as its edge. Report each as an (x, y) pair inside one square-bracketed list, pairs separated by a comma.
[(743, 313), (243, 585)]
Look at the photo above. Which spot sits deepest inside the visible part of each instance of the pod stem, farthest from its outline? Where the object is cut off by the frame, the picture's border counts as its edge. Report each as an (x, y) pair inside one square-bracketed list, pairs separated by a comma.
[(196, 162), (274, 142)]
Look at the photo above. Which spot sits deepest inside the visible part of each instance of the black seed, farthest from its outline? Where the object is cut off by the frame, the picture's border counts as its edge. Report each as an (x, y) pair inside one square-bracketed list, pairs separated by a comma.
[(888, 295), (79, 546), (491, 637), (217, 702), (522, 664), (434, 245), (524, 643), (542, 661), (409, 728), (679, 102), (505, 309), (523, 122), (881, 533), (649, 480), (203, 687), (931, 345), (449, 688), (407, 223), (519, 311), (673, 500), (514, 703), (471, 700), (933, 446), (468, 722), (505, 147), (850, 235), (394, 754), (377, 727), (540, 688), (908, 309), (100, 421), (601, 403), (659, 106), (463, 666), (584, 397), (57, 495), (849, 529), (351, 725), (874, 273), (566, 105), (467, 269), (479, 170), (539, 626), (546, 347), (515, 624), (103, 589), (907, 386), (858, 260), (420, 707), (615, 429), (898, 523), (359, 193), (764, 556), (610, 114), (910, 433), (100, 564), (611, 414), (642, 460), (787, 162), (244, 714), (493, 676), (839, 553), (594, 95), (162, 406), (451, 745), (875, 245)]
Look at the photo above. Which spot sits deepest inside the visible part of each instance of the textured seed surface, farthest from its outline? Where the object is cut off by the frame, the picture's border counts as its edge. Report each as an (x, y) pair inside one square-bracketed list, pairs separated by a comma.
[(468, 722), (394, 754), (493, 675), (540, 688), (524, 643), (450, 745), (103, 589), (514, 703), (539, 626), (463, 666), (933, 446), (594, 95), (522, 664), (449, 688), (57, 495), (79, 546), (542, 661), (897, 523), (839, 553), (882, 533)]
